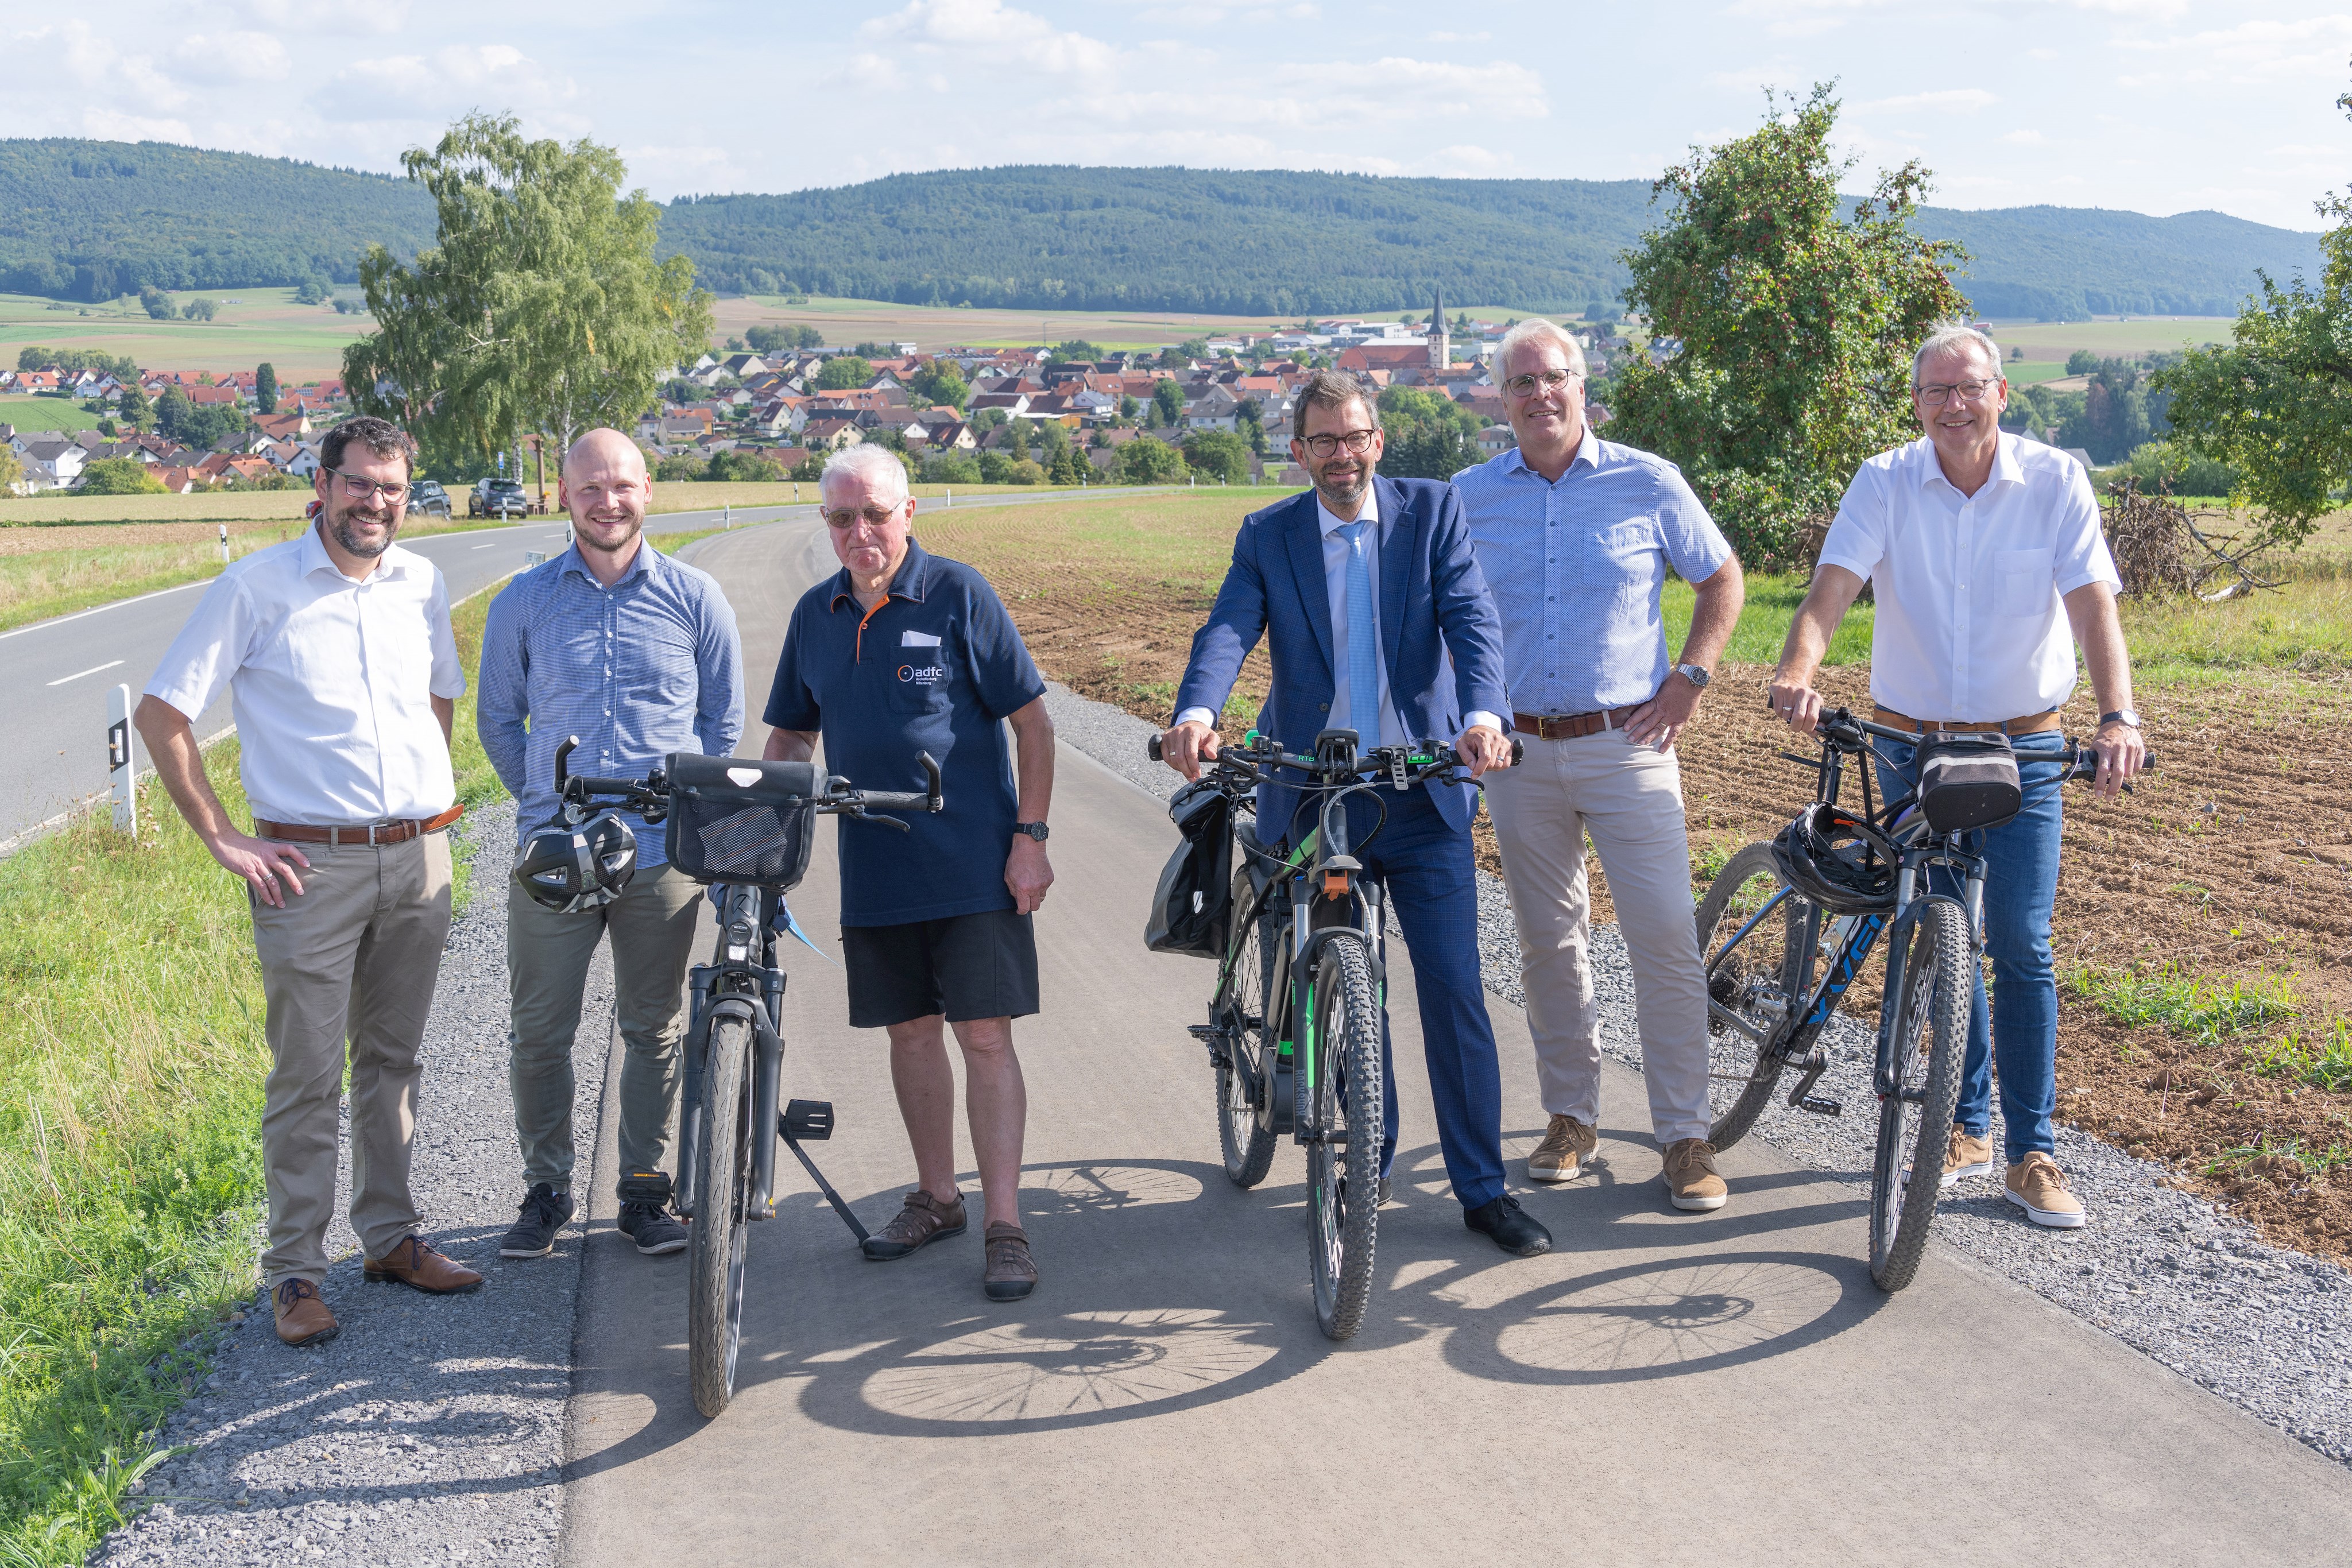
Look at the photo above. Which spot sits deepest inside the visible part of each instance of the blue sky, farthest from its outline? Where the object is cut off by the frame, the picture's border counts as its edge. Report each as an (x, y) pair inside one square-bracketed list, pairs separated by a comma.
[(2158, 106)]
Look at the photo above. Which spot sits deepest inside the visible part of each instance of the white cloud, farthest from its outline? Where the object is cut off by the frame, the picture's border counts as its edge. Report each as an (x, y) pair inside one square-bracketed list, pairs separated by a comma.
[(2025, 138), (996, 33), (231, 58), (452, 80), (1967, 99)]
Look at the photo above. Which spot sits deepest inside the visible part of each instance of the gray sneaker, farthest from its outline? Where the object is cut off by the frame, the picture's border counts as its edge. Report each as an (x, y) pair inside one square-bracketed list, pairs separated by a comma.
[(542, 1214), (646, 1219)]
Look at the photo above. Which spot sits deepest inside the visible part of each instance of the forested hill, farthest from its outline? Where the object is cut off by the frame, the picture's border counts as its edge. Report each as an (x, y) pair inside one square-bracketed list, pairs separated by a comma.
[(93, 219)]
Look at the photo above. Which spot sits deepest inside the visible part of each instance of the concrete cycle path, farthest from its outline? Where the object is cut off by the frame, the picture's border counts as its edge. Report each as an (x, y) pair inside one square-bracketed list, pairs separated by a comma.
[(1662, 1387)]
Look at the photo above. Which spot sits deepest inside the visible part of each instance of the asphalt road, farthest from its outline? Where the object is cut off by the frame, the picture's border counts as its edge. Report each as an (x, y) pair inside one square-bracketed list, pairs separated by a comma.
[(62, 669), (1661, 1388)]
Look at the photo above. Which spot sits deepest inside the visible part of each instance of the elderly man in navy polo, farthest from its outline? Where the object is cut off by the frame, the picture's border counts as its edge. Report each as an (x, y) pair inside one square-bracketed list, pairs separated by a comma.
[(903, 652), (1576, 534)]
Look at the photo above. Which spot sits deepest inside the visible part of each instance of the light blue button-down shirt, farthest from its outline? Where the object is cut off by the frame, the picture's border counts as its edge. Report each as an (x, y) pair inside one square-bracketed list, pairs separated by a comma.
[(1577, 566), (641, 669)]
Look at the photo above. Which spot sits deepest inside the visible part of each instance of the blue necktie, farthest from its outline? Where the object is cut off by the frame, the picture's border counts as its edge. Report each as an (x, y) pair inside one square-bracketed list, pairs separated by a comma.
[(1363, 643)]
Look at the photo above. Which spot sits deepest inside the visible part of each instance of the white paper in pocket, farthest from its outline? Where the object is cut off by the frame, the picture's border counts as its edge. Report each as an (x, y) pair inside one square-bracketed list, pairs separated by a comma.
[(917, 640)]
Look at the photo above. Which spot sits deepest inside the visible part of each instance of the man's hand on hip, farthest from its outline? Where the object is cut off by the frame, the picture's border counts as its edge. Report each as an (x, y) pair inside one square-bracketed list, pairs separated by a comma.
[(1187, 745), (1484, 747), (1659, 720), (1028, 873), (264, 865)]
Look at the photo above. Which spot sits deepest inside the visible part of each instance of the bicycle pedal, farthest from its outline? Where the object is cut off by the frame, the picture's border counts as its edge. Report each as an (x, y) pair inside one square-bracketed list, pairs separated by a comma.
[(1821, 1107), (1204, 1032), (807, 1121)]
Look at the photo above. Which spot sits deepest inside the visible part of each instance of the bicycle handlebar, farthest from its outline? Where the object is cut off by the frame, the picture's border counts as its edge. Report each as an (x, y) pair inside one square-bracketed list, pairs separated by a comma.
[(1840, 729), (1426, 757), (651, 794)]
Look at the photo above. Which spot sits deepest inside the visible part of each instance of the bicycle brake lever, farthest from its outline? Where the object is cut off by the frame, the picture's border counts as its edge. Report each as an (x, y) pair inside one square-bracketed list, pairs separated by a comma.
[(862, 815)]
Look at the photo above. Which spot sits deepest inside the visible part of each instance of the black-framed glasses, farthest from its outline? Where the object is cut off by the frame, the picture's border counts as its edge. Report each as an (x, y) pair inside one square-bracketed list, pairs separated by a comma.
[(875, 516), (1524, 386), (1969, 391), (1357, 441), (358, 489)]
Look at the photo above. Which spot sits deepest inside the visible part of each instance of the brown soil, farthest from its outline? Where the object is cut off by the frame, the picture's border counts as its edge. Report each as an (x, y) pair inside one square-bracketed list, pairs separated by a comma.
[(2233, 860)]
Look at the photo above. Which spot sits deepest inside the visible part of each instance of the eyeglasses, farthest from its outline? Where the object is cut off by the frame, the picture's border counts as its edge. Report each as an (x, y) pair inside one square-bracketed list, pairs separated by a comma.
[(1358, 443), (358, 489), (1971, 391), (875, 517), (1550, 380)]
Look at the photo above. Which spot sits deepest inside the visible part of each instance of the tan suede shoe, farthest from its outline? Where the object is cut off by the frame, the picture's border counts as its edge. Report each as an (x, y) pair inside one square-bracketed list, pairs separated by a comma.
[(2037, 1186), (414, 1264), (1965, 1155), (1562, 1154), (303, 1317), (1690, 1176)]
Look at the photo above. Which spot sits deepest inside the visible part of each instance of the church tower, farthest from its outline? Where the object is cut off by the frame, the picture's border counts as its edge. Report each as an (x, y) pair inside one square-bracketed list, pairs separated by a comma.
[(1440, 351)]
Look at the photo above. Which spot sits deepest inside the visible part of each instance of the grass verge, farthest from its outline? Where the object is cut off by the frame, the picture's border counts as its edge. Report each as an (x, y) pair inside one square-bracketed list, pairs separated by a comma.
[(131, 1063)]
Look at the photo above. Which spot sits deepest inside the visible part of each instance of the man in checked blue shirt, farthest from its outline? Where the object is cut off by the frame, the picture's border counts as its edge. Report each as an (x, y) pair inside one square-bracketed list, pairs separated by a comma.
[(1576, 534), (635, 654)]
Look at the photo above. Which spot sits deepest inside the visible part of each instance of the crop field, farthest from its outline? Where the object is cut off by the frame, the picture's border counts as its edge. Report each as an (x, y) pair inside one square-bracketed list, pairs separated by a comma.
[(303, 342), (45, 413), (846, 321), (2141, 335), (2204, 923)]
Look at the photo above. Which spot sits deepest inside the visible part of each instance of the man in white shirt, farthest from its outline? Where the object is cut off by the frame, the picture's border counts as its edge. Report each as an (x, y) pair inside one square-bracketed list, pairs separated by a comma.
[(344, 675), (1974, 542)]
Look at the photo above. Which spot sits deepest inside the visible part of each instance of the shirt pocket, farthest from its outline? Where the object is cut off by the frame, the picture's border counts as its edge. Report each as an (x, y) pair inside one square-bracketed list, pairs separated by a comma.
[(2023, 582), (1621, 561), (919, 681)]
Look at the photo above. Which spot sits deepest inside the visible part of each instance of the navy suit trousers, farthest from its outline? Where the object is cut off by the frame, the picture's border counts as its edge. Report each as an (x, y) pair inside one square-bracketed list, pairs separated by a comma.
[(1431, 877)]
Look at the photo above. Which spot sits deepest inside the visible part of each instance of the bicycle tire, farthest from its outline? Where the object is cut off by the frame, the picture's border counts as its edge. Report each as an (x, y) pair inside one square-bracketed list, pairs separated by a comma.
[(1756, 977), (1343, 1180), (1245, 1127), (1931, 1032), (714, 1292)]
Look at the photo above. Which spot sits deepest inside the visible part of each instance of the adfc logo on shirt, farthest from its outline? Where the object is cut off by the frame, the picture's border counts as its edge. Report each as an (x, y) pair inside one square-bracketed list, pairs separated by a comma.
[(924, 675)]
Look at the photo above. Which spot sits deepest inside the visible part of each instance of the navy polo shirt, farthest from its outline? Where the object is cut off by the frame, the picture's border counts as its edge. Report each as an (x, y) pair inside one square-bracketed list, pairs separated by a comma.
[(936, 667)]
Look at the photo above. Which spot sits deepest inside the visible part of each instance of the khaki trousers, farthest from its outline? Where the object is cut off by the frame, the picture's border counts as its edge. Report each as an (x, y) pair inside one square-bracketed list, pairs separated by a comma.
[(347, 964), (1630, 800), (652, 926)]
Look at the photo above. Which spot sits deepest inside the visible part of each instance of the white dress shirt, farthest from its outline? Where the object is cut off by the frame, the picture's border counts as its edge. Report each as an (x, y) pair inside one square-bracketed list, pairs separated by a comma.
[(1336, 549), (1969, 626), (330, 680)]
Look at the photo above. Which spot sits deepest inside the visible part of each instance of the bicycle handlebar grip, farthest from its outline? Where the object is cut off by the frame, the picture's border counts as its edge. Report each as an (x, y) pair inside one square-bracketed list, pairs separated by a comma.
[(1519, 751), (563, 755), (1152, 746), (931, 800)]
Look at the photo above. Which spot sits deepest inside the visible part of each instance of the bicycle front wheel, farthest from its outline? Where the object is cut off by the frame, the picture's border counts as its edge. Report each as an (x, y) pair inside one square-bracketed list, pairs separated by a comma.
[(1343, 1162), (1245, 1082), (714, 1290), (1756, 976), (1930, 1035)]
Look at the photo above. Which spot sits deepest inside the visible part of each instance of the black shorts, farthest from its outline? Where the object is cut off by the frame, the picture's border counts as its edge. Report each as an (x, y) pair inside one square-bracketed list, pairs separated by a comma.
[(967, 967)]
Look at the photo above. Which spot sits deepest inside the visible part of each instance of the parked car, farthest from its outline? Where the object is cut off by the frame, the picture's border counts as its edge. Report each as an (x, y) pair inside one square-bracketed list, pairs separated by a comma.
[(498, 498), (427, 495)]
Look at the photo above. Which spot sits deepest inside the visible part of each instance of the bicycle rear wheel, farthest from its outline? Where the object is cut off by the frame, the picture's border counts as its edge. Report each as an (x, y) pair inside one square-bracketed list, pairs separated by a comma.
[(714, 1292), (1245, 1085), (1343, 1164), (1931, 1032), (1756, 972)]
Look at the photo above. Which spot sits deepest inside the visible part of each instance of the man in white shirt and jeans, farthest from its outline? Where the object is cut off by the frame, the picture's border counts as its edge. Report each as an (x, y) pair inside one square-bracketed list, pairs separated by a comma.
[(1974, 542), (344, 675)]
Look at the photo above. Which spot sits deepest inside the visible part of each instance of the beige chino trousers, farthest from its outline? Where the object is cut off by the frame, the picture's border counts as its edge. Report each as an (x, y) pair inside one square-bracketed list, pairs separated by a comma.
[(348, 965), (1628, 798)]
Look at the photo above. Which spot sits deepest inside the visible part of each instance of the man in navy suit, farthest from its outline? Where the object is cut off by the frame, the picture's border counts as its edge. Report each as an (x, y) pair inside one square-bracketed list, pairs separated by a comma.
[(1379, 621)]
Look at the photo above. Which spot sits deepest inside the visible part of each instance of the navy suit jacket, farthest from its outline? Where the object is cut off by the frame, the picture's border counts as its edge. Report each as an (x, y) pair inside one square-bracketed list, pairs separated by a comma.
[(1433, 603)]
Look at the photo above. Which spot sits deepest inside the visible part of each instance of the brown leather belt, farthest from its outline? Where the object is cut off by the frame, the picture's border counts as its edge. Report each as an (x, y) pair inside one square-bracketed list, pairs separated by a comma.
[(376, 833), (2032, 723), (1573, 726)]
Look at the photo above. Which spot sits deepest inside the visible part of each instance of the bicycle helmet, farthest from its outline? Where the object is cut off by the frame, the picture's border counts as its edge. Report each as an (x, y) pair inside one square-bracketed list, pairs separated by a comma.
[(570, 869), (1837, 861)]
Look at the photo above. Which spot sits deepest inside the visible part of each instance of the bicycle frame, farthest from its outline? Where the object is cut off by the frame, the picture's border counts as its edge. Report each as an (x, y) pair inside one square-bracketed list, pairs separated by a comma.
[(737, 985)]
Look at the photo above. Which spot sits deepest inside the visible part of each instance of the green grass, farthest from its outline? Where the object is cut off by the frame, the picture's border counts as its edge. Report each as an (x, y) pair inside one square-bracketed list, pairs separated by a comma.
[(2320, 1056), (2058, 340), (2034, 373), (2305, 625), (304, 342), (2193, 1005), (57, 413), (1764, 619), (132, 1062), (2276, 1157)]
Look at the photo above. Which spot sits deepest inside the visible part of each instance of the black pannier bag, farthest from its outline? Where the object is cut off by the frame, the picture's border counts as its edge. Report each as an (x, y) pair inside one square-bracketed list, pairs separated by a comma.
[(1191, 911), (733, 819), (1967, 780)]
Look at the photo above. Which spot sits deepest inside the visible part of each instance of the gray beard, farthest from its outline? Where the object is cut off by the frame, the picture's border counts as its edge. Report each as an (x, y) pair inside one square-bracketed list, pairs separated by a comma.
[(340, 523), (1344, 501)]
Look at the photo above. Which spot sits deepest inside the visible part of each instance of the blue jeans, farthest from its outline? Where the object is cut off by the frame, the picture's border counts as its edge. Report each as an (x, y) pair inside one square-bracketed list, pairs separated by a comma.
[(2020, 884)]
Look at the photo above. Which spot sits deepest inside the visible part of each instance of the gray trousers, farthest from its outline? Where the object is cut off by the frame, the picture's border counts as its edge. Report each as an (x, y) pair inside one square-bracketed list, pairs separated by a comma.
[(652, 926)]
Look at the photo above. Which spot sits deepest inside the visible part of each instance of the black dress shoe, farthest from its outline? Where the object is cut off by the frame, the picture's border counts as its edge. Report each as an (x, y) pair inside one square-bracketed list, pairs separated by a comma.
[(1383, 1194), (1513, 1228)]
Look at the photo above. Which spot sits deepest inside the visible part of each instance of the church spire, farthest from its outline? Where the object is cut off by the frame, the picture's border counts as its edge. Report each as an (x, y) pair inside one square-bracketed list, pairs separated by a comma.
[(1441, 350)]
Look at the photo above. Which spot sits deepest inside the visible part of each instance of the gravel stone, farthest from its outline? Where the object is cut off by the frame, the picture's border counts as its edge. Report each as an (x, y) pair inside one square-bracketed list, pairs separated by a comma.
[(431, 1429), (2164, 1270)]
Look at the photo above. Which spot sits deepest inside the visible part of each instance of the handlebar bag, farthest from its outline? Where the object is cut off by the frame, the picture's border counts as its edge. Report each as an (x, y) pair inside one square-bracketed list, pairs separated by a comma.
[(1968, 781), (1191, 909), (735, 818)]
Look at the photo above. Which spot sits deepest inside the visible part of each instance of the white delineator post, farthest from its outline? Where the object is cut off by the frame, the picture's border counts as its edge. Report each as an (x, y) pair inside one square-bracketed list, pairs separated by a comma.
[(726, 515), (224, 527), (121, 761)]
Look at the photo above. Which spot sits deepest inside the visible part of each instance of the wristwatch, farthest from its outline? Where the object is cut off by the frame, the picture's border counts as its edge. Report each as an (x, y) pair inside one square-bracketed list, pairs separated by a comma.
[(1693, 675), (2121, 715), (1035, 830)]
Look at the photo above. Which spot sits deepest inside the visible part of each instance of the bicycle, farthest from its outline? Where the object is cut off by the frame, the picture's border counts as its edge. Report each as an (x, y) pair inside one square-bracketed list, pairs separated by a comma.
[(1760, 940), (1304, 949), (743, 827)]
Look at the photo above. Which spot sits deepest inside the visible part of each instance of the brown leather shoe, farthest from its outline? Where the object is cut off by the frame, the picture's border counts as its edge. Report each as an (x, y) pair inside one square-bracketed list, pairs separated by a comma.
[(1012, 1272), (303, 1317), (416, 1264), (920, 1220)]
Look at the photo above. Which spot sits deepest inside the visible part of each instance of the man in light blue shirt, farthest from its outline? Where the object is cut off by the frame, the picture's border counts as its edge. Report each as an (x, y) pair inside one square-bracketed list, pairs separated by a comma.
[(1575, 535), (634, 654)]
